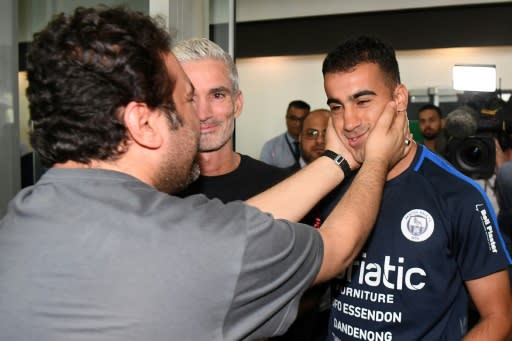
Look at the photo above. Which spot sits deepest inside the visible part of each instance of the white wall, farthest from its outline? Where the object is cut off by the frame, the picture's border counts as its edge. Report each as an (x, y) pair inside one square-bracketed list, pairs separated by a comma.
[(253, 10), (270, 83), (249, 10)]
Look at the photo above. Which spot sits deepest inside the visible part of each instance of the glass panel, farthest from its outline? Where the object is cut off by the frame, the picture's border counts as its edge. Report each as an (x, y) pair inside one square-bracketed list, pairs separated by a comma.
[(219, 23), (9, 138)]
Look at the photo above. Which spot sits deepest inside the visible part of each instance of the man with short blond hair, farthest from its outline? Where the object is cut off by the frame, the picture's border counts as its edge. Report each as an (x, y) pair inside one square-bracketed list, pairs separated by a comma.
[(224, 173)]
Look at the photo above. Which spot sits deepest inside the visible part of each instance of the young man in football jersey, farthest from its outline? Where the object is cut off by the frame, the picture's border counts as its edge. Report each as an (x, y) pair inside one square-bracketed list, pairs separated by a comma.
[(435, 244)]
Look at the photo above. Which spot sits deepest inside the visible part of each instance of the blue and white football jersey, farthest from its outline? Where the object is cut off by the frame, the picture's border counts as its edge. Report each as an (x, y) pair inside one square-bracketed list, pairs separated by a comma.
[(436, 229)]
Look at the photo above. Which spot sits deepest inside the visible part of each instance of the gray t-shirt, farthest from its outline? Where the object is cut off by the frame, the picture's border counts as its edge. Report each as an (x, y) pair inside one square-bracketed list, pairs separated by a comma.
[(98, 255)]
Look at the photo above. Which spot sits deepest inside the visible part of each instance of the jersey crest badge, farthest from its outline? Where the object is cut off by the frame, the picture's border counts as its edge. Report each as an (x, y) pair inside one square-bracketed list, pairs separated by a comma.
[(417, 225)]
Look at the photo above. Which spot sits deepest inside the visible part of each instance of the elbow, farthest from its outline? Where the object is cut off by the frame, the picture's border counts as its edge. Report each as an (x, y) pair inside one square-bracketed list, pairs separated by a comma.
[(338, 255)]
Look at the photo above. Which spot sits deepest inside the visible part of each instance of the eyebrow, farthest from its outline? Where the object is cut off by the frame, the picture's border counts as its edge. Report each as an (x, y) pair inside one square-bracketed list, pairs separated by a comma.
[(362, 93), (220, 89), (353, 97), (333, 100)]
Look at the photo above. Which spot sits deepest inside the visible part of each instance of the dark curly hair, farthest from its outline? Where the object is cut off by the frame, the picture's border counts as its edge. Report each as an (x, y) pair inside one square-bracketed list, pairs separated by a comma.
[(83, 69), (363, 49)]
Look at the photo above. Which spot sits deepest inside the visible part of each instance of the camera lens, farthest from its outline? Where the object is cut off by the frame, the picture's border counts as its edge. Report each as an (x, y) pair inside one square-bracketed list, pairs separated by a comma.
[(472, 154)]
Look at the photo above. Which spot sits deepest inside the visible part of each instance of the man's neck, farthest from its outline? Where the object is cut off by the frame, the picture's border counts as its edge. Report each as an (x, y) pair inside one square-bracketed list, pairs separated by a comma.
[(403, 164), (93, 164), (296, 138), (218, 162), (124, 164), (430, 144)]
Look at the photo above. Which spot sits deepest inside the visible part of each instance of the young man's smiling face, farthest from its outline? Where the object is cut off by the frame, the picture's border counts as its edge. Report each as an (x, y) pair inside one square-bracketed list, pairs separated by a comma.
[(357, 98)]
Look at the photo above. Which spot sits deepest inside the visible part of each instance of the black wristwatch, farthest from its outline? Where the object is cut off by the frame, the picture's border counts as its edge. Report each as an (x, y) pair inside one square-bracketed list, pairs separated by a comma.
[(340, 161)]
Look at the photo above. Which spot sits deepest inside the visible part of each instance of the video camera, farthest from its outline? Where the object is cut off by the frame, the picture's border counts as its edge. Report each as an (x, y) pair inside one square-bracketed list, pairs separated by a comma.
[(471, 130)]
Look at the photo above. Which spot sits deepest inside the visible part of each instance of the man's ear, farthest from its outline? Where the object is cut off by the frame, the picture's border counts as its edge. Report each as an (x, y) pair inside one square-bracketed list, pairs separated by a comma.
[(239, 104), (401, 96), (143, 125)]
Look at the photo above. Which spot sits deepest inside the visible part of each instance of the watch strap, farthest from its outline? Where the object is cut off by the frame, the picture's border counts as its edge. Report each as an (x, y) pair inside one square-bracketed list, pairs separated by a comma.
[(340, 161)]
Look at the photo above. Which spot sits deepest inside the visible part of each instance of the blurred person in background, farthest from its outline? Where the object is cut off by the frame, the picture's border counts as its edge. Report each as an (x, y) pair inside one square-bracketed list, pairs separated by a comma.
[(283, 150), (431, 124)]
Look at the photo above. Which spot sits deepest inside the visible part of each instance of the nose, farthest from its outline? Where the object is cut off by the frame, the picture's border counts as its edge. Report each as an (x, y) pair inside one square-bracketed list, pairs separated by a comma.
[(351, 120), (320, 139), (203, 108)]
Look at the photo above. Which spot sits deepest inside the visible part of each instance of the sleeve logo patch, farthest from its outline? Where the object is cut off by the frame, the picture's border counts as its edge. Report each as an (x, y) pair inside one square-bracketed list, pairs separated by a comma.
[(487, 226), (417, 225)]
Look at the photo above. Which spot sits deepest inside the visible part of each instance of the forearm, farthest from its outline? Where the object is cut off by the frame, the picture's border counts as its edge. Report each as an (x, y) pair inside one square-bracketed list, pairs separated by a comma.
[(349, 224), (492, 328), (293, 197), (492, 297)]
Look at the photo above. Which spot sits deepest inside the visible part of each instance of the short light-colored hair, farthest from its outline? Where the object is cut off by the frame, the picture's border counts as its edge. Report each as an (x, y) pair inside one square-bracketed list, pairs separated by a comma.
[(202, 48)]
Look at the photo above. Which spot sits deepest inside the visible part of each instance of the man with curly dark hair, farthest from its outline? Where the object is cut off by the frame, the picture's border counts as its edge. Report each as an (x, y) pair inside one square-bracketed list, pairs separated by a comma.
[(97, 249), (82, 70)]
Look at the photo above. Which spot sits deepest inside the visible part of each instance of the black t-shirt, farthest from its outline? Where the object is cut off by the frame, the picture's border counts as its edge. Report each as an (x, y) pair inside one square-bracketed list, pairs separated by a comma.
[(250, 178)]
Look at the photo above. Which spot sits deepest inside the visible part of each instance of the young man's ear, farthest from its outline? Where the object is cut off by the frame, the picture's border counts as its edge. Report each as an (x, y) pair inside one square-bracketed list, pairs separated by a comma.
[(143, 125), (401, 96)]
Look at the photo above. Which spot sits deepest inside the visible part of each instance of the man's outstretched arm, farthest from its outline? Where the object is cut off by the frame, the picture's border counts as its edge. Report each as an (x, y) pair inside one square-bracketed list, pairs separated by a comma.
[(347, 227), (349, 224)]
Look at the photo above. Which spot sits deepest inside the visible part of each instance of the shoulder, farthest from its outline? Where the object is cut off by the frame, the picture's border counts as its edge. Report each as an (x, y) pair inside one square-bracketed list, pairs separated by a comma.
[(192, 188), (505, 171), (441, 174), (437, 179), (276, 139), (205, 212)]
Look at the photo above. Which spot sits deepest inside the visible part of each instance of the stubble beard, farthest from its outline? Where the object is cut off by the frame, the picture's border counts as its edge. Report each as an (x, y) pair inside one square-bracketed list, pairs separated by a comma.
[(213, 141), (309, 157), (429, 136), (180, 168)]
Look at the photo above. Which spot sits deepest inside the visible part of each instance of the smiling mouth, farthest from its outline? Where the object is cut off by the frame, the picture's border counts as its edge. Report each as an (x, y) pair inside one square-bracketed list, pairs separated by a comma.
[(205, 128), (357, 138), (354, 141)]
